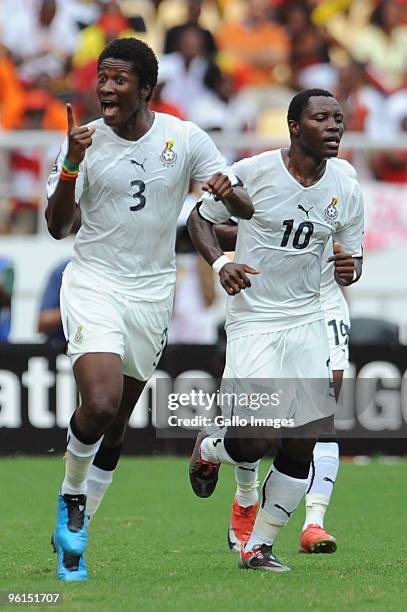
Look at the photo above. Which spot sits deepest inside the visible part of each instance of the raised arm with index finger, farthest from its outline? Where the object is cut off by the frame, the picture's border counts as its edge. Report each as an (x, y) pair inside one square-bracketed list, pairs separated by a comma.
[(60, 211)]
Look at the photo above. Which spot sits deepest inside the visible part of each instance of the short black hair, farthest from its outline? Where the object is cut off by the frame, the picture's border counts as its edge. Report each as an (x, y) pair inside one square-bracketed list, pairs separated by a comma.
[(300, 101), (139, 54)]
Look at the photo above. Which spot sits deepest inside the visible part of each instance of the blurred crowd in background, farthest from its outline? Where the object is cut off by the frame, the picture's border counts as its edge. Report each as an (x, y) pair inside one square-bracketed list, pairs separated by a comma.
[(227, 65)]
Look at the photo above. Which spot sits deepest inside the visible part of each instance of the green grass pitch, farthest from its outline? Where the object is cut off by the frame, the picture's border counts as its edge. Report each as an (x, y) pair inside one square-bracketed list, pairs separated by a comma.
[(155, 546)]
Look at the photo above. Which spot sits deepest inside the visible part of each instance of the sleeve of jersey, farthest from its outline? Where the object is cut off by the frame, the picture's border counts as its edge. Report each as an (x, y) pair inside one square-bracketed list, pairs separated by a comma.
[(205, 159), (350, 235), (56, 170), (212, 210)]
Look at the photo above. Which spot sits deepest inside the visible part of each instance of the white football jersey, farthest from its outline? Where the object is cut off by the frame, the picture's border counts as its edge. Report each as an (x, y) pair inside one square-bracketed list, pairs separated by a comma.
[(285, 241), (130, 194)]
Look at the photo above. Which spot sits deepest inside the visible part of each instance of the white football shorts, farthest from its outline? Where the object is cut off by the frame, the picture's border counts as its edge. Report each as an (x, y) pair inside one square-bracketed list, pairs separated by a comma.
[(279, 375), (336, 313), (98, 320)]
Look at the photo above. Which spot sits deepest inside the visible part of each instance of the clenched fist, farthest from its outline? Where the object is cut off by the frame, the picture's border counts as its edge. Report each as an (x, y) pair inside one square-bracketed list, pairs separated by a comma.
[(233, 277), (344, 264), (219, 185)]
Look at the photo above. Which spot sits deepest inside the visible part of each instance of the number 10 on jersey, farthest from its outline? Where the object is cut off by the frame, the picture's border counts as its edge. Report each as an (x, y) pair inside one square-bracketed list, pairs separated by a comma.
[(302, 235)]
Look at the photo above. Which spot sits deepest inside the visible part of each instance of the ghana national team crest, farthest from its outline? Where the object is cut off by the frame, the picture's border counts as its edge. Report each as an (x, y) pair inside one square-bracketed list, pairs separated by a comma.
[(168, 155), (331, 212)]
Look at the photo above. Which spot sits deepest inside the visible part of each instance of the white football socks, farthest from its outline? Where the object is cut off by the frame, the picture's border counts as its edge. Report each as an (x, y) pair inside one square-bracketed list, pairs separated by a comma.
[(322, 480), (78, 459), (213, 450), (281, 495), (98, 482), (247, 482)]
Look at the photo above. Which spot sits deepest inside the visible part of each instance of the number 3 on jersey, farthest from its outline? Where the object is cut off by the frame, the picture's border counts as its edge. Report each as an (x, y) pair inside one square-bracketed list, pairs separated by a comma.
[(139, 200), (302, 235)]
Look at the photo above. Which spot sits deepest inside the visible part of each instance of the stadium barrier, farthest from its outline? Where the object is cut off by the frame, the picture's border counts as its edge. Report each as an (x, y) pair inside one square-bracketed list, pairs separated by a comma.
[(38, 395)]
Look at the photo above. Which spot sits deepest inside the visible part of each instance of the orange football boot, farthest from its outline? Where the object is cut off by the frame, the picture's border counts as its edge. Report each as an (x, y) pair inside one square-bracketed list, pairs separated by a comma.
[(314, 539), (241, 525)]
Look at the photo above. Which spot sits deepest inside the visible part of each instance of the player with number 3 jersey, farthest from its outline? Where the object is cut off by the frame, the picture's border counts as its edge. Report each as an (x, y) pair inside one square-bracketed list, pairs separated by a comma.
[(129, 172)]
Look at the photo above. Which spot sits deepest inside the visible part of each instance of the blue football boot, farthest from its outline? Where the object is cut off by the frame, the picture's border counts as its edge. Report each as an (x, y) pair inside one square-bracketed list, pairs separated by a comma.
[(72, 523), (71, 568)]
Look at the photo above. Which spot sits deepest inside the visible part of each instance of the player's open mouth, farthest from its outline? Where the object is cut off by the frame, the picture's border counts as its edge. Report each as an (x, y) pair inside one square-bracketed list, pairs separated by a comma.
[(109, 109), (332, 142)]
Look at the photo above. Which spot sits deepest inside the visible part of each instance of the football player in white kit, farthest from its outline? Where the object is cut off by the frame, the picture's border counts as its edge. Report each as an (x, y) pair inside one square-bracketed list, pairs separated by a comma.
[(275, 327), (129, 171), (325, 461)]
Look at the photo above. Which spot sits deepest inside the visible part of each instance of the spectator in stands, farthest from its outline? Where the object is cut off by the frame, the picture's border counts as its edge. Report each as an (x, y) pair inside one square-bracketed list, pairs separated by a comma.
[(344, 20), (158, 102), (254, 48), (361, 102), (382, 46), (396, 113), (172, 36), (211, 111), (391, 166), (185, 85), (83, 12), (11, 94), (142, 16), (83, 81), (309, 57), (49, 320), (41, 110), (6, 292), (218, 108), (111, 24), (171, 13), (41, 39)]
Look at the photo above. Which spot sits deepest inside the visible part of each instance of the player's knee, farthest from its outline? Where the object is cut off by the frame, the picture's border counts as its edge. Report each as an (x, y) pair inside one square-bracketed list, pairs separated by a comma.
[(298, 449), (102, 407), (254, 448)]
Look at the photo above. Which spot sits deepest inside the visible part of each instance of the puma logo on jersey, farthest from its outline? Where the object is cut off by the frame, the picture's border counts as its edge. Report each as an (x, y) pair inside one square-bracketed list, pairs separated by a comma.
[(136, 163), (300, 206)]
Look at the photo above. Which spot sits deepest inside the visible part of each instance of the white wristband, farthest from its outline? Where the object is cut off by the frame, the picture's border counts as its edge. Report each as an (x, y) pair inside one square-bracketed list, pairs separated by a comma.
[(219, 263)]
